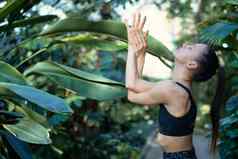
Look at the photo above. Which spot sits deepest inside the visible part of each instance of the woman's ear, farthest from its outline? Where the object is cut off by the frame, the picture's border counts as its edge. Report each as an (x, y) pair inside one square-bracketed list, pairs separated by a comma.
[(192, 65)]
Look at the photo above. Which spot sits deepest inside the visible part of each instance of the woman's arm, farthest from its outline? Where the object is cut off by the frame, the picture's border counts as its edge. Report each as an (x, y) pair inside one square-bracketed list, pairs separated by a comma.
[(140, 63), (131, 69), (137, 43), (155, 93)]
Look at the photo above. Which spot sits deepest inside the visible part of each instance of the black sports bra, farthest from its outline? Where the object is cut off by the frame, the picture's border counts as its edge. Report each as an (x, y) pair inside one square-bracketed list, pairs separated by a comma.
[(177, 126)]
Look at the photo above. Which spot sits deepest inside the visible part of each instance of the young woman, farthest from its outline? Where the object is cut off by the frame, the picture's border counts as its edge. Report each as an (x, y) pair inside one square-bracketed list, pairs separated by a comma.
[(197, 62)]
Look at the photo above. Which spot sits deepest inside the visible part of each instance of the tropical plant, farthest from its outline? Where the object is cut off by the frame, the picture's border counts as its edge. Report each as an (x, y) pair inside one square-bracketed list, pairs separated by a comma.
[(221, 32), (26, 110)]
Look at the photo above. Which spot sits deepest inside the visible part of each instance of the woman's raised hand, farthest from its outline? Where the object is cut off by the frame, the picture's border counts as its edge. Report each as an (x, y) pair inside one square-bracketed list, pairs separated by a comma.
[(137, 39)]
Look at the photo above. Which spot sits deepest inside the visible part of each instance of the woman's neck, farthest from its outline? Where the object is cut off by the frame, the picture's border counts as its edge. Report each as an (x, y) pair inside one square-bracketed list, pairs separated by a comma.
[(181, 74)]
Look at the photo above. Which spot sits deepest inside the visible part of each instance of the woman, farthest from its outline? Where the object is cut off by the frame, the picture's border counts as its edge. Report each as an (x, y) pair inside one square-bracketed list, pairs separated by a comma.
[(196, 62)]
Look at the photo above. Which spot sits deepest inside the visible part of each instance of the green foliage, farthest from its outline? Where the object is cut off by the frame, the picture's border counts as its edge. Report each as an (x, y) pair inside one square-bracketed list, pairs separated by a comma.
[(232, 2), (228, 129), (29, 131), (79, 81), (216, 33), (28, 21), (224, 31), (20, 147), (114, 128), (10, 117), (110, 27)]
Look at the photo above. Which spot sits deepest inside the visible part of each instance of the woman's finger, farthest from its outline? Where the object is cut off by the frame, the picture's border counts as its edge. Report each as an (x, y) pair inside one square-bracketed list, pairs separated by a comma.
[(146, 34), (138, 15), (135, 39), (141, 25), (126, 22), (134, 20), (142, 39)]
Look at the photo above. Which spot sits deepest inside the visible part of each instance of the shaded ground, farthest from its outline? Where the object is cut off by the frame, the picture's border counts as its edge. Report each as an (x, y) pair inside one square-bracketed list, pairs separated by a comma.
[(201, 144)]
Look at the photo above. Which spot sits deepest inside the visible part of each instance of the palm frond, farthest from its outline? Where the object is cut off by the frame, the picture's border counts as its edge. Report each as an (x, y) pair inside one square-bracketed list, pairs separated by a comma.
[(215, 34), (231, 2)]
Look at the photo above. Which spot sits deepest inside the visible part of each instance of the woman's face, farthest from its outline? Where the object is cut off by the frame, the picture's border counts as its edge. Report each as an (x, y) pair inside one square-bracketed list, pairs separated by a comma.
[(189, 53)]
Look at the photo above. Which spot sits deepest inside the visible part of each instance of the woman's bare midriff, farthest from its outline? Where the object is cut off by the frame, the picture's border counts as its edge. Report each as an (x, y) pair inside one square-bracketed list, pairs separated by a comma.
[(174, 143)]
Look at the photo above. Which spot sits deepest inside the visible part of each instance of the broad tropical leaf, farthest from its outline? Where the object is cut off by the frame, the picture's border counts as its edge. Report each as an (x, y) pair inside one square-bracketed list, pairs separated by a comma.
[(232, 2), (77, 100), (29, 113), (216, 33), (20, 147), (110, 27), (29, 131), (29, 21), (11, 6), (34, 95), (14, 6), (7, 117), (10, 74), (86, 84), (57, 119), (97, 43), (233, 64), (49, 66)]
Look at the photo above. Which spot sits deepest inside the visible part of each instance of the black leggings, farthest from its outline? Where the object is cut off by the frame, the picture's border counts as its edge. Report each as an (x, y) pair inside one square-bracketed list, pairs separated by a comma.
[(187, 154)]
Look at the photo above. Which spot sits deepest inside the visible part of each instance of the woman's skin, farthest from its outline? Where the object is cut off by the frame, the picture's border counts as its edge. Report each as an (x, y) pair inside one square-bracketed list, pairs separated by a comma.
[(175, 98)]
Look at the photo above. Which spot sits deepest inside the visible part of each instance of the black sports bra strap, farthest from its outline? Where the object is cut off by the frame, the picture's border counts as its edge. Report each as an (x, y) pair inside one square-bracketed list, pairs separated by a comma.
[(189, 92)]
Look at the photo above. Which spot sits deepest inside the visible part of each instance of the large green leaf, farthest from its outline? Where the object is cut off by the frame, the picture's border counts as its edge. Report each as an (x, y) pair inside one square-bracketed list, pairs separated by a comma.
[(7, 117), (97, 43), (110, 27), (215, 34), (57, 119), (89, 89), (34, 95), (86, 84), (75, 99), (10, 74), (29, 21), (233, 64), (232, 104), (232, 2), (11, 6), (29, 131), (29, 113), (14, 6), (21, 148), (53, 67)]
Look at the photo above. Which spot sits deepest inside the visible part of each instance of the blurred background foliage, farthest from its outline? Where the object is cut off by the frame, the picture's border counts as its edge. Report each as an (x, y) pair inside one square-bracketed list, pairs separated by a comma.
[(62, 94)]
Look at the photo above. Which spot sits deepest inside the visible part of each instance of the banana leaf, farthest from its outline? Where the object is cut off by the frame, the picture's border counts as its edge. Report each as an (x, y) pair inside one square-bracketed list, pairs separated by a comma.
[(10, 7), (29, 131), (20, 147), (97, 43), (231, 2), (110, 27), (75, 99), (15, 6), (49, 66), (86, 84), (29, 113), (10, 74), (29, 21), (7, 117), (34, 95), (215, 34)]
